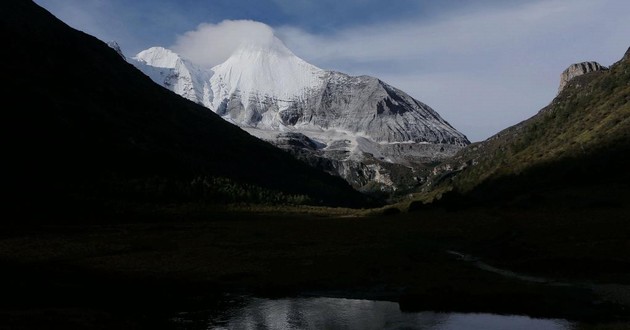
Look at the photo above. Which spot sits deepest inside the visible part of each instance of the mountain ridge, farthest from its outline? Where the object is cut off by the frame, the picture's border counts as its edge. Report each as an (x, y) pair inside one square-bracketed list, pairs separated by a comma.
[(578, 143), (270, 91)]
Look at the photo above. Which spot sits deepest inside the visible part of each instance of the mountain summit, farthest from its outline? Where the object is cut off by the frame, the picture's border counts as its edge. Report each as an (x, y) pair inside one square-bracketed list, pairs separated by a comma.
[(262, 77), (275, 95)]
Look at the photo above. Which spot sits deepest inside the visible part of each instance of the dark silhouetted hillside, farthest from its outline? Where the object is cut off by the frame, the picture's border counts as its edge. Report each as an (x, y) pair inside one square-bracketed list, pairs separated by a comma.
[(86, 130)]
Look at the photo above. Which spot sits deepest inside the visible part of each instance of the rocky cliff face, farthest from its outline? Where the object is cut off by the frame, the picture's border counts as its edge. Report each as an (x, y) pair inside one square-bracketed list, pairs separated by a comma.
[(367, 106), (358, 124), (368, 166), (578, 69)]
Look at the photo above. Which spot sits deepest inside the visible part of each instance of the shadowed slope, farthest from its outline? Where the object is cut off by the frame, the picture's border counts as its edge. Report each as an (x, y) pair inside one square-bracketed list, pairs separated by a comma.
[(83, 125)]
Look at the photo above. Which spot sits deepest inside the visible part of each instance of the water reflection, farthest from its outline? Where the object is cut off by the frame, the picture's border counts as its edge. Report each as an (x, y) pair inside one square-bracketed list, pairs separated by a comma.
[(336, 313)]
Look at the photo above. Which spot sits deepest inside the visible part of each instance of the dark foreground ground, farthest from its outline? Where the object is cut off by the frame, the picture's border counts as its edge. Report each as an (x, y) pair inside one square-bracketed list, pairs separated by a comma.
[(140, 275)]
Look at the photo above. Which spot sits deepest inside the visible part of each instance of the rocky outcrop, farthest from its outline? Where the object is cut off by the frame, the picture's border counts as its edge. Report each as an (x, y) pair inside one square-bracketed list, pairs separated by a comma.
[(578, 69), (114, 45), (296, 140), (370, 173)]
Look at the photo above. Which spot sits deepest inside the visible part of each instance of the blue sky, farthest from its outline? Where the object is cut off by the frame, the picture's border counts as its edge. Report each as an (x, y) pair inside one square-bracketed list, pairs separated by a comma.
[(483, 65)]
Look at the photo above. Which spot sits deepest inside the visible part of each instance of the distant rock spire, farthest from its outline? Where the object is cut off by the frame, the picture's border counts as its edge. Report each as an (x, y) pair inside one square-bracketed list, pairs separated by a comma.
[(578, 69)]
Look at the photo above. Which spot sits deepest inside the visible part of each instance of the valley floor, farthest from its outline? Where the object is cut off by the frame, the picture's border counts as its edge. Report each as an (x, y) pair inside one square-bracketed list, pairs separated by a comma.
[(139, 275)]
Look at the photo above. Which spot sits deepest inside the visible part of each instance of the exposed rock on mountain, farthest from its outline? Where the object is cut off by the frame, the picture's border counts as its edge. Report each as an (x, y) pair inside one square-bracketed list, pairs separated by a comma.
[(578, 69)]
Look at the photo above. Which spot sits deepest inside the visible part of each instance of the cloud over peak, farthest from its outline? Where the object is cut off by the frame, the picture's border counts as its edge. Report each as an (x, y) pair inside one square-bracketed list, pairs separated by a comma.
[(211, 44)]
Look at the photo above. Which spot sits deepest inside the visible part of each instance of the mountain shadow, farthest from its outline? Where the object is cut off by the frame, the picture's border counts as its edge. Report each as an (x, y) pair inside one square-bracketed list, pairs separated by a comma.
[(85, 133)]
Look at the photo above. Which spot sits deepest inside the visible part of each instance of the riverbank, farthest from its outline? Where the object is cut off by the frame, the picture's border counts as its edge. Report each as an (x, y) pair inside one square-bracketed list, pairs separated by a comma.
[(134, 275)]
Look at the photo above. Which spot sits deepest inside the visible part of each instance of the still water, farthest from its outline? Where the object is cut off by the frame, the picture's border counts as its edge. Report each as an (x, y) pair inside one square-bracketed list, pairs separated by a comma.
[(336, 313)]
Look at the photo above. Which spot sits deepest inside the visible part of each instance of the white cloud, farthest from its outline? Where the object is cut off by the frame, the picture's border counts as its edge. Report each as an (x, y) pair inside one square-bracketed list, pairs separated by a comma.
[(211, 44), (460, 33), (483, 70)]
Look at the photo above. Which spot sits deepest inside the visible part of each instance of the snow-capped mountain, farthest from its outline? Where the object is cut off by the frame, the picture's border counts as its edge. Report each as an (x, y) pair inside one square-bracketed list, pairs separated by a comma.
[(268, 90)]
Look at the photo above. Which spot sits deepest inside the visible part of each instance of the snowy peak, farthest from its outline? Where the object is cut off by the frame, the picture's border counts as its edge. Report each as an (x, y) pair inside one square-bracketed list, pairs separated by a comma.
[(159, 57), (265, 85), (265, 71), (167, 68)]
